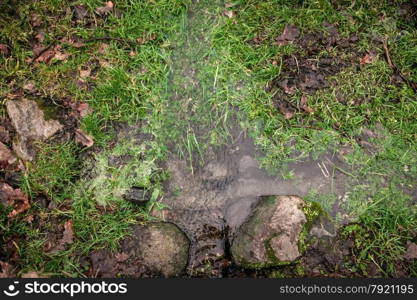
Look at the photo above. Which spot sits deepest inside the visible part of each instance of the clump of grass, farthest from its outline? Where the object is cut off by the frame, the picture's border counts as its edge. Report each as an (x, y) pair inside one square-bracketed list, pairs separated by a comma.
[(382, 232), (54, 171)]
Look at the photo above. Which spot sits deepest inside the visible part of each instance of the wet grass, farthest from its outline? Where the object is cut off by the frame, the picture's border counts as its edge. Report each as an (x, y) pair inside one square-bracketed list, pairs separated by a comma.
[(225, 79)]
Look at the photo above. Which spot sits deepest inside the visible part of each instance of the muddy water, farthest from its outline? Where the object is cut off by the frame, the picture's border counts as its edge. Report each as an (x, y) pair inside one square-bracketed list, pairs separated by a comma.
[(212, 201)]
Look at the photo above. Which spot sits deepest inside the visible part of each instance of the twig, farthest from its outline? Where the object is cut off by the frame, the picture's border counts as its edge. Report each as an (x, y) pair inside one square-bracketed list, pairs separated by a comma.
[(411, 83)]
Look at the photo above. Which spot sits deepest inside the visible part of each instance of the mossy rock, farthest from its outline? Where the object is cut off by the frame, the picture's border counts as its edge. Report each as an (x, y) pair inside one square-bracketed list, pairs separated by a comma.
[(271, 235)]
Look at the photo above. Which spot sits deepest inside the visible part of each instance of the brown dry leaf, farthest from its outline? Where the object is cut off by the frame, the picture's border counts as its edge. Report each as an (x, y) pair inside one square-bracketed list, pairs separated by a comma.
[(4, 49), (229, 13), (4, 135), (289, 34), (304, 106), (35, 21), (369, 58), (40, 37), (102, 48), (85, 73), (104, 63), (411, 252), (108, 7), (229, 5), (140, 40), (290, 90), (14, 197), (7, 157), (80, 11), (83, 109), (29, 87), (288, 114), (84, 139), (68, 235), (45, 57), (59, 55)]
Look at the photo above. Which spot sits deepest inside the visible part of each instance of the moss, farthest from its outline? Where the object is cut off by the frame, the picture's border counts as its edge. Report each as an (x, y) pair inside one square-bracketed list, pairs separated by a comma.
[(312, 211)]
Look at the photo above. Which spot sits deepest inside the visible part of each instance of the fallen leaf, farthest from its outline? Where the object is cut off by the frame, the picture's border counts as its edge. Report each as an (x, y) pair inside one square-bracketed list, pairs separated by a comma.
[(83, 109), (369, 58), (48, 55), (108, 7), (29, 87), (7, 157), (80, 11), (40, 37), (4, 135), (84, 73), (289, 34), (103, 48), (411, 252), (30, 219), (15, 198), (288, 114), (304, 106), (4, 49), (45, 57), (104, 63), (35, 21), (229, 13), (84, 139), (59, 55), (290, 90), (140, 40), (68, 235)]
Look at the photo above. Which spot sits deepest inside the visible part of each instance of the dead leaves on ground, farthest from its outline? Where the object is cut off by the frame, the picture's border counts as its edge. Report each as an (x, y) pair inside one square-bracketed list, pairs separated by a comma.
[(83, 138), (411, 251), (289, 34), (55, 244), (369, 58), (47, 55), (107, 8), (15, 198)]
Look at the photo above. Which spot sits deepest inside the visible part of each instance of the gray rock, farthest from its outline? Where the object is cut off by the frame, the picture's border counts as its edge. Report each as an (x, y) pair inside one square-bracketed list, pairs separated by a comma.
[(138, 195), (29, 122), (161, 246), (271, 234)]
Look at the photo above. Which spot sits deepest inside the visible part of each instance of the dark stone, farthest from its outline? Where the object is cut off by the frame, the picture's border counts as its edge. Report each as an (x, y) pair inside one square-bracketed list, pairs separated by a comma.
[(138, 195)]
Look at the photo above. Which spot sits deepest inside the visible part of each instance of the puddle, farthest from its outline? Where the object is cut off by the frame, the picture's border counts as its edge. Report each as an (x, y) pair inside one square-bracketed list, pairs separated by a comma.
[(212, 201)]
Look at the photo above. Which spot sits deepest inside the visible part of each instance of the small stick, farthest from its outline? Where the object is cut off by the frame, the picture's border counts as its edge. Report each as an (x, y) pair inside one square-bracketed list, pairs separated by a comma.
[(411, 83)]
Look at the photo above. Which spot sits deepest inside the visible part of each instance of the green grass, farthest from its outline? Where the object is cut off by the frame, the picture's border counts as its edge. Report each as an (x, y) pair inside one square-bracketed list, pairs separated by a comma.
[(194, 76)]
